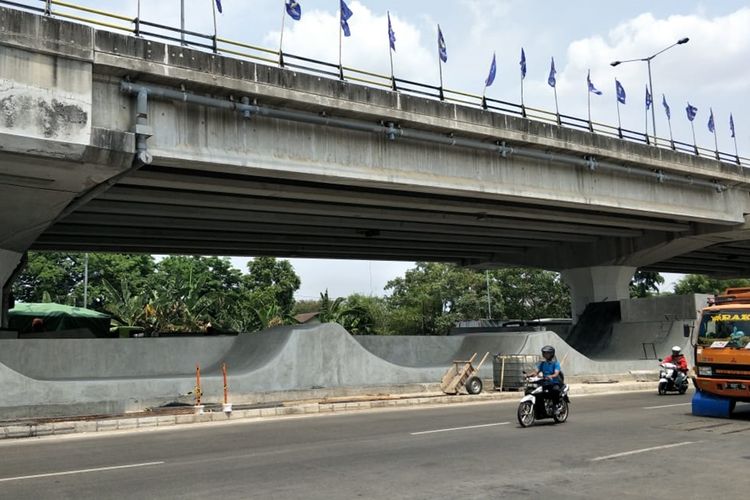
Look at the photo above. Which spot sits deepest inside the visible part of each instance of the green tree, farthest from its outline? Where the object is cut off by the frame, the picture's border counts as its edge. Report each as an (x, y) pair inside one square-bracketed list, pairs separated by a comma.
[(57, 274), (430, 298), (645, 284), (699, 283), (275, 277)]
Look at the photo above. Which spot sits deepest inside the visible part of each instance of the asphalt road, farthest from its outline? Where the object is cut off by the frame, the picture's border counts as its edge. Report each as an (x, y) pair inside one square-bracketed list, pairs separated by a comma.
[(603, 451)]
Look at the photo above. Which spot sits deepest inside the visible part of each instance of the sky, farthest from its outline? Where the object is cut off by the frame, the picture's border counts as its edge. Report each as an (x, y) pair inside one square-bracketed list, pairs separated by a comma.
[(710, 71)]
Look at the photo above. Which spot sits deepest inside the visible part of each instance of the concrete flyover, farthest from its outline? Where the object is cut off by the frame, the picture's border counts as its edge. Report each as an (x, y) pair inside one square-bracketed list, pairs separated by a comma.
[(112, 142)]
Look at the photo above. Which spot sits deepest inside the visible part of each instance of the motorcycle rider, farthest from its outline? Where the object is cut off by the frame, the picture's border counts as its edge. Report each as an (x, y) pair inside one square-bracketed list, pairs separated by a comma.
[(679, 360), (549, 369)]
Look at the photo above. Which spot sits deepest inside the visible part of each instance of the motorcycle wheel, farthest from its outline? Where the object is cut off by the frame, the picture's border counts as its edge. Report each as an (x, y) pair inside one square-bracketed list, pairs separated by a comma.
[(526, 414), (662, 388), (683, 388), (563, 415)]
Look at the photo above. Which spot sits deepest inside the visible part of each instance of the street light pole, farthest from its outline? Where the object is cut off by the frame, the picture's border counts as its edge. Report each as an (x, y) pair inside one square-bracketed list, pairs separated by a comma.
[(647, 60)]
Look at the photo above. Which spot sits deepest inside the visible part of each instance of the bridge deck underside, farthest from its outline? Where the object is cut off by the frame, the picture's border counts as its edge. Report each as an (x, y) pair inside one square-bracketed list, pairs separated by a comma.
[(730, 259), (181, 210)]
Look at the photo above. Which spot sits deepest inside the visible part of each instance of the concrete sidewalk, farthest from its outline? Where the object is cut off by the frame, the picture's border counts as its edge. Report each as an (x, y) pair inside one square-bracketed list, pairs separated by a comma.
[(181, 415)]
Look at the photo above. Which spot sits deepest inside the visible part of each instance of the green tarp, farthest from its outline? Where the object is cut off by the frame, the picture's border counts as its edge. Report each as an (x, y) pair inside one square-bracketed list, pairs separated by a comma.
[(58, 317)]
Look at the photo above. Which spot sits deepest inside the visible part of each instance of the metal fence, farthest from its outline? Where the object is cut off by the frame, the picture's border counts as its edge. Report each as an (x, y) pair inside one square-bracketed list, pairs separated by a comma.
[(220, 45)]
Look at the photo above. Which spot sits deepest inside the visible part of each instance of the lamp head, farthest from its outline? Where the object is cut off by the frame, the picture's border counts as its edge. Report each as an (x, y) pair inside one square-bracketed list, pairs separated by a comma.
[(683, 40), (614, 63)]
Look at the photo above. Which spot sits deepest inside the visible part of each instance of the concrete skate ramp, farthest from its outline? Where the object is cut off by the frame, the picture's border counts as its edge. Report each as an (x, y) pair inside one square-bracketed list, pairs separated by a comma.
[(78, 377), (419, 351)]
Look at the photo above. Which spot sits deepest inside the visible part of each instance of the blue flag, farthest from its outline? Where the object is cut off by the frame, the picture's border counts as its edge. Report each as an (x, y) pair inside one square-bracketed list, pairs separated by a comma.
[(442, 49), (523, 64), (666, 107), (391, 34), (346, 13), (691, 112), (294, 9), (620, 91), (493, 71), (649, 99), (592, 89), (731, 124), (711, 125), (218, 6), (551, 80)]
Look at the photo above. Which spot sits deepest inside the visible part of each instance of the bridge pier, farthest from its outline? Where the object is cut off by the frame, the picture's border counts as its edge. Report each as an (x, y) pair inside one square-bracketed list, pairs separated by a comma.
[(9, 263), (597, 284)]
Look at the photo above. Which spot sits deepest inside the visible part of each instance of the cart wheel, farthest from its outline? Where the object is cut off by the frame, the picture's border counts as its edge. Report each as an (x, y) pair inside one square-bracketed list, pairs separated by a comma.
[(474, 385)]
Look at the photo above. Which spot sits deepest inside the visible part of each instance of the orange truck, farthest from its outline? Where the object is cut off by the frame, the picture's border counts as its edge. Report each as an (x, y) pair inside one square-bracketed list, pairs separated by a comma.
[(722, 354)]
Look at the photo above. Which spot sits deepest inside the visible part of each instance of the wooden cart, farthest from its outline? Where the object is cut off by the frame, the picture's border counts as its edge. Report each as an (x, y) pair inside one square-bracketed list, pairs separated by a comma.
[(463, 374)]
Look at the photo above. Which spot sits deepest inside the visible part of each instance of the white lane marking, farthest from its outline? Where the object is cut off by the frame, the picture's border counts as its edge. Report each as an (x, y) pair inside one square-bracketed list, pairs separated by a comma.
[(644, 450), (80, 471), (459, 428), (665, 406)]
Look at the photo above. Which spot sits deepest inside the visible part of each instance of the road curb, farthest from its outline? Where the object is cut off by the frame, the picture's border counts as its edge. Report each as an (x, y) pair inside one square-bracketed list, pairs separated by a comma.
[(19, 430)]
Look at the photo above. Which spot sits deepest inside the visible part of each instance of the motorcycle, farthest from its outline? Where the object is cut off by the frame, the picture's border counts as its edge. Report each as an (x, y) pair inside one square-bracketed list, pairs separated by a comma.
[(671, 380), (537, 403)]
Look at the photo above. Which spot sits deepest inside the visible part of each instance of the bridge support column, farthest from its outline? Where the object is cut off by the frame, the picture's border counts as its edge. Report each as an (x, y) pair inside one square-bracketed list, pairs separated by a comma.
[(597, 284), (10, 263)]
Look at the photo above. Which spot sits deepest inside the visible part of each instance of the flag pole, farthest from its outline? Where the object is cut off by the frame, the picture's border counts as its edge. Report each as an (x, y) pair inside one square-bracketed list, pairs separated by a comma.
[(440, 67), (281, 38), (695, 143), (138, 20), (182, 22), (213, 9), (588, 94), (523, 107), (557, 108), (341, 66), (390, 53), (716, 140), (671, 139), (619, 121), (736, 151), (647, 138)]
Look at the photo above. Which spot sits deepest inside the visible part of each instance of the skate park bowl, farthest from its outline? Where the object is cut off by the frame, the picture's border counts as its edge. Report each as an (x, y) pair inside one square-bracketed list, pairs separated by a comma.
[(75, 376)]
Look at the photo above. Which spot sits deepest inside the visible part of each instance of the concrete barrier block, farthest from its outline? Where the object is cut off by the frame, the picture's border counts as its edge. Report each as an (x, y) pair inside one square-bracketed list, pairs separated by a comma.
[(311, 408), (147, 422), (218, 416), (43, 430), (106, 425), (128, 423), (86, 426), (185, 419), (65, 427), (255, 413), (166, 420), (325, 408), (17, 431), (284, 410), (267, 412)]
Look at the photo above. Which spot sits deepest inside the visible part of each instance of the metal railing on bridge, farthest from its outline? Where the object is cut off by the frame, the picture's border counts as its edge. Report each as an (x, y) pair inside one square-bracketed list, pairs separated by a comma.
[(220, 45)]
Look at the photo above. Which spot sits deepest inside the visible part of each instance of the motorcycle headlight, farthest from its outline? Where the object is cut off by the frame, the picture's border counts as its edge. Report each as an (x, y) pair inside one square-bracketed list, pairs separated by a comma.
[(705, 371)]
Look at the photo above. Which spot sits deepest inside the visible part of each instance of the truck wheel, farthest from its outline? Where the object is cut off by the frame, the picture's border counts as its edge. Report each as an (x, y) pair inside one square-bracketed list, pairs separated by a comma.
[(474, 385)]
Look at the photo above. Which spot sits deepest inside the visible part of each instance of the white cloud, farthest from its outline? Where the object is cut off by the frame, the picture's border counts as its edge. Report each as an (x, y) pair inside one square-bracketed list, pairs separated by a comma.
[(709, 71), (316, 36)]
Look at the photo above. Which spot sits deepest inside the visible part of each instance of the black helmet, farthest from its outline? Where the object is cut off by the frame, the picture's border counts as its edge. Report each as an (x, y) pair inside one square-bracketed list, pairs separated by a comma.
[(548, 349)]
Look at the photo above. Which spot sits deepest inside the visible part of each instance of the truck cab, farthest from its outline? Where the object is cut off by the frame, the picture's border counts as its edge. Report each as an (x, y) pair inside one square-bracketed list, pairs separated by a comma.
[(722, 347)]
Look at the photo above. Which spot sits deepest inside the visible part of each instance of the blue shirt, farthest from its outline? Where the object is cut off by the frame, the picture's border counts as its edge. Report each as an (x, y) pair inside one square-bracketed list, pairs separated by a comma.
[(549, 367)]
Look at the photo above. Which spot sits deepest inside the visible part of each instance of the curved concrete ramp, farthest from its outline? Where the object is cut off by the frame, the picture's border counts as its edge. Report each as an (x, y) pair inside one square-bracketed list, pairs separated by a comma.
[(291, 358)]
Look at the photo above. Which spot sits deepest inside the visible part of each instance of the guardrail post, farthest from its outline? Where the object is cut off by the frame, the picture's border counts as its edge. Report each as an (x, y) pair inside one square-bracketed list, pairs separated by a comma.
[(442, 94), (341, 72), (393, 84), (484, 102), (48, 7), (214, 41), (619, 132)]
